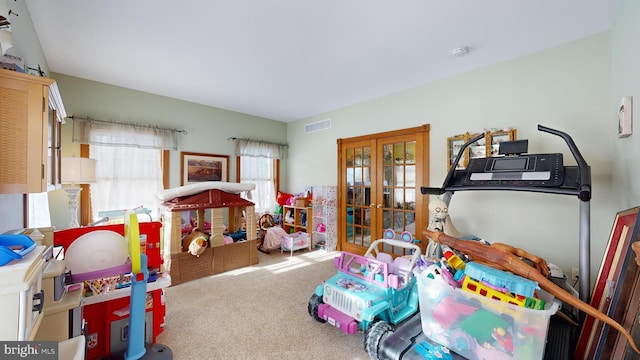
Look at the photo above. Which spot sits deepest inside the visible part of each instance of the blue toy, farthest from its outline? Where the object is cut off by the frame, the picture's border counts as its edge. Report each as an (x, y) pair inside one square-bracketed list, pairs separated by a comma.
[(433, 352), (15, 247), (135, 341), (370, 293)]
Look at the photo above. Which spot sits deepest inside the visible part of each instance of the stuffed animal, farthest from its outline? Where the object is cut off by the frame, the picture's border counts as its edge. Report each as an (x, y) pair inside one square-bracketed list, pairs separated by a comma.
[(195, 243), (288, 217), (440, 220), (283, 198)]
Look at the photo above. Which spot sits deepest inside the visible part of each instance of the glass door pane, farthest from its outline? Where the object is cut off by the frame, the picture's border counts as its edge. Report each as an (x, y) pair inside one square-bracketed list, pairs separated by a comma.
[(357, 183), (399, 188)]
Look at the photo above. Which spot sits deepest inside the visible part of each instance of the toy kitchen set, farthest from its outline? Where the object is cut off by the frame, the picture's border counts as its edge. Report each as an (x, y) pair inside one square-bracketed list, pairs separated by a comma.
[(35, 303), (74, 286)]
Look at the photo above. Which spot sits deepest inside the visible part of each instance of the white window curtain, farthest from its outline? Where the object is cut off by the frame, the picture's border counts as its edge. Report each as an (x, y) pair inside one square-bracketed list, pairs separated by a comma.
[(129, 163), (127, 178), (38, 206), (100, 132), (257, 160), (259, 171), (257, 148)]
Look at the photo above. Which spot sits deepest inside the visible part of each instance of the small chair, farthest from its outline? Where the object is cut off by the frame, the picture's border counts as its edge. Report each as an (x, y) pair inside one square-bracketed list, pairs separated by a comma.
[(386, 258), (401, 268)]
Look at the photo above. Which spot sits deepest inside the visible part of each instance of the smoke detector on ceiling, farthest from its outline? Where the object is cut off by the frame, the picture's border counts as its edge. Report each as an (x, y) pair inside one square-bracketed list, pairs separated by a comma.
[(460, 51)]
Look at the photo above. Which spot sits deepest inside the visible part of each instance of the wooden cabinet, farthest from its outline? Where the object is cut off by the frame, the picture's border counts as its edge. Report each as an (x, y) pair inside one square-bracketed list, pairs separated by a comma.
[(30, 137), (485, 147), (379, 180), (296, 218)]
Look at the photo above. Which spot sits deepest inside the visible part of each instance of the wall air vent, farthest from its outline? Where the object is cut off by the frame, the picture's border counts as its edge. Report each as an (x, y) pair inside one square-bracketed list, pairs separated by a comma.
[(317, 126)]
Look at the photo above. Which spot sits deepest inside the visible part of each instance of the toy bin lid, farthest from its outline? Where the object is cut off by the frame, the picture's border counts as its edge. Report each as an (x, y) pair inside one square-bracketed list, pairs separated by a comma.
[(14, 247)]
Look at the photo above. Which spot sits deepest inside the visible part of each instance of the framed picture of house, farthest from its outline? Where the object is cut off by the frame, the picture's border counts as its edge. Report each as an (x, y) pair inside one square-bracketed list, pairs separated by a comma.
[(198, 167), (614, 290)]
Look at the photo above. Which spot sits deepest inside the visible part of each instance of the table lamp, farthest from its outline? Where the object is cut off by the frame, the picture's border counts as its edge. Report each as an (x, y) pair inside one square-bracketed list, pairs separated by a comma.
[(76, 171)]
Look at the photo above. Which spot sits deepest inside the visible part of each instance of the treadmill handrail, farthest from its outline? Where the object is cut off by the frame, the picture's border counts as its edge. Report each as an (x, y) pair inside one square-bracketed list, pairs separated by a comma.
[(584, 172), (584, 183)]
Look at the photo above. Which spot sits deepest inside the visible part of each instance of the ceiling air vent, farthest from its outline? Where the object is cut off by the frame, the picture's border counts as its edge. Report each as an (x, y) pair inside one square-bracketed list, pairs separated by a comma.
[(317, 126)]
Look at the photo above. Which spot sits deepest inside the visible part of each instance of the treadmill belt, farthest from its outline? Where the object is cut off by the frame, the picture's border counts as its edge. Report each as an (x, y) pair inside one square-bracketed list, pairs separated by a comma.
[(559, 340)]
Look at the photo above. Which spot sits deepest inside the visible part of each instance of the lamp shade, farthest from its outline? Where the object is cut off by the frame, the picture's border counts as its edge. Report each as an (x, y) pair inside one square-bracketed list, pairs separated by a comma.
[(77, 170)]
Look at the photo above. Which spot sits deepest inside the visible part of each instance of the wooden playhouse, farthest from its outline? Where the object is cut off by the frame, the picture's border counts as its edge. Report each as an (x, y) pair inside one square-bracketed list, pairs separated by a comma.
[(218, 257)]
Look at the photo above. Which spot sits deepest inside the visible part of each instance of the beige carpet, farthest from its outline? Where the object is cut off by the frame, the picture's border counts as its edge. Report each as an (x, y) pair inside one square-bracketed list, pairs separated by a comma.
[(256, 312)]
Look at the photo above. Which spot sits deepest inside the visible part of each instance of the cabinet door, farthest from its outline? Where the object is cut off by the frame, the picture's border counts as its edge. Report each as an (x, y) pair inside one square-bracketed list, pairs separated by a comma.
[(23, 137)]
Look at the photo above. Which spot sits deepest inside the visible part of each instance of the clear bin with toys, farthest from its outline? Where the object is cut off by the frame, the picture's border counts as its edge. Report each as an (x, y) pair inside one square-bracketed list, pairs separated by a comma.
[(478, 327)]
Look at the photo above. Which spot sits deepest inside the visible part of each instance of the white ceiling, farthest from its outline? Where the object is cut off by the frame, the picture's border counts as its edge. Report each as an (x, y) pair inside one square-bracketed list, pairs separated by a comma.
[(290, 59)]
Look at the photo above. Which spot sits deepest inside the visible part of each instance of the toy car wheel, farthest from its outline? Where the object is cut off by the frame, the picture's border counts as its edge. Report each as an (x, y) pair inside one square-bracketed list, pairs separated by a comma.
[(314, 302), (373, 336)]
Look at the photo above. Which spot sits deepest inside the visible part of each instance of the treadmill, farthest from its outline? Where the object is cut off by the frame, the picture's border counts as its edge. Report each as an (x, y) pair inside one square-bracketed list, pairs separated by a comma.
[(512, 170)]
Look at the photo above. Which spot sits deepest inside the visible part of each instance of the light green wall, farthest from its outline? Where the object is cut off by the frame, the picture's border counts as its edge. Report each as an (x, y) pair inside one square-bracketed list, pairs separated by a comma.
[(566, 88), (208, 129), (626, 82)]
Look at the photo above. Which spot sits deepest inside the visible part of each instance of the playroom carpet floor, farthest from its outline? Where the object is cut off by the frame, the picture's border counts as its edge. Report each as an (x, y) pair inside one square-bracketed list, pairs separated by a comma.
[(256, 312)]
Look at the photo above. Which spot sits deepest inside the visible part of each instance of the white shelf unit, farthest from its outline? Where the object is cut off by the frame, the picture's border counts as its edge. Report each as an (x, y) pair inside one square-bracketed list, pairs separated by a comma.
[(325, 216)]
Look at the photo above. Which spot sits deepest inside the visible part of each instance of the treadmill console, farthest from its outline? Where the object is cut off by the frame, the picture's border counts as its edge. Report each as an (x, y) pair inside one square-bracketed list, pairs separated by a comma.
[(524, 170)]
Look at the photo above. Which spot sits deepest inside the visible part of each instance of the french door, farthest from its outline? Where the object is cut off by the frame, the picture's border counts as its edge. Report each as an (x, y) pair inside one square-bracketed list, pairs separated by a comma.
[(379, 179)]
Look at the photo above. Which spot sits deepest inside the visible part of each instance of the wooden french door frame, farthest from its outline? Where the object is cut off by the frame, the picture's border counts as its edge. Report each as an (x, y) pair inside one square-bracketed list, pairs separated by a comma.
[(376, 202), (356, 217)]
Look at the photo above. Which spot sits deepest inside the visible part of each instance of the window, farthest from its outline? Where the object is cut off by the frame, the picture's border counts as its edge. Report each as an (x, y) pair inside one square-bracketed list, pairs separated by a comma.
[(38, 210), (260, 171), (127, 178), (131, 165), (259, 163)]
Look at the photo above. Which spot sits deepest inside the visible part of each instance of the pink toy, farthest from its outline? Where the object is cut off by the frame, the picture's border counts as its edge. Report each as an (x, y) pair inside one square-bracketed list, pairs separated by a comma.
[(448, 311)]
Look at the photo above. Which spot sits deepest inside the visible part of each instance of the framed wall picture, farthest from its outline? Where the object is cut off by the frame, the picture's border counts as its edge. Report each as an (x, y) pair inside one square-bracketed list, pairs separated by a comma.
[(198, 167), (454, 144), (484, 147), (614, 288)]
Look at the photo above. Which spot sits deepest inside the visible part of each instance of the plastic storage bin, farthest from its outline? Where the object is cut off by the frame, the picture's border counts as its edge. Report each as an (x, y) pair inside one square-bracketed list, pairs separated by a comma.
[(477, 327), (297, 241)]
